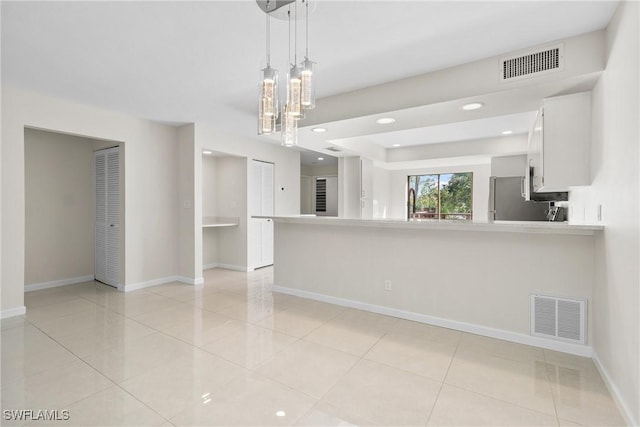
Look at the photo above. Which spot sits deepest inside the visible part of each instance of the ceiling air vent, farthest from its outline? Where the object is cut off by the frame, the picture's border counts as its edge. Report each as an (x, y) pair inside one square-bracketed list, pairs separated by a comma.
[(532, 64), (334, 149), (558, 318)]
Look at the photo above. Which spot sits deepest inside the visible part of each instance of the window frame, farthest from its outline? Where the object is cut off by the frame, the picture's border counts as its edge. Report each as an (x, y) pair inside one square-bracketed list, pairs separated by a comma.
[(438, 214)]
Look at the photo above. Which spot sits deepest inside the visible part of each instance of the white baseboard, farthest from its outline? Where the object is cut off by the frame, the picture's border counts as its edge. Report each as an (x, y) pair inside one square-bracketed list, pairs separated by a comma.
[(235, 267), (622, 404), (161, 281), (56, 283), (577, 349), (190, 281), (147, 284), (12, 312), (209, 266)]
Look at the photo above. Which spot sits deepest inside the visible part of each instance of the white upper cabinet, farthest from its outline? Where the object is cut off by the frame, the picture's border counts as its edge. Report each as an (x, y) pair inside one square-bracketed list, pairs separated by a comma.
[(560, 143)]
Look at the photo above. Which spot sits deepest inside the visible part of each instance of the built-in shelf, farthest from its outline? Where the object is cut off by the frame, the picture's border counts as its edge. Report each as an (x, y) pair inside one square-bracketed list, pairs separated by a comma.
[(220, 221)]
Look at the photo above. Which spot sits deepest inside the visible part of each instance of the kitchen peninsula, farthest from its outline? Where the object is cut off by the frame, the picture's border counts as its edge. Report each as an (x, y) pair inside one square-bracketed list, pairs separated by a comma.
[(476, 277)]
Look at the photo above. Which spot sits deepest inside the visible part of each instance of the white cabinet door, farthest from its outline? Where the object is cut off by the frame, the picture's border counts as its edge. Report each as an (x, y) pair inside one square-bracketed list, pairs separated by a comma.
[(559, 143), (107, 216), (262, 204)]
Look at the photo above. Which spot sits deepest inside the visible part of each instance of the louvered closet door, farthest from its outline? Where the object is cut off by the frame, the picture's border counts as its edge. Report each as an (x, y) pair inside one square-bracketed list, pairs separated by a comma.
[(107, 221)]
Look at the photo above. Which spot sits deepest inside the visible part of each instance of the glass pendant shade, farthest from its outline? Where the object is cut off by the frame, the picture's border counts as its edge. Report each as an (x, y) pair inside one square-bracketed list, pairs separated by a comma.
[(307, 88), (268, 102), (294, 86), (266, 123), (289, 127)]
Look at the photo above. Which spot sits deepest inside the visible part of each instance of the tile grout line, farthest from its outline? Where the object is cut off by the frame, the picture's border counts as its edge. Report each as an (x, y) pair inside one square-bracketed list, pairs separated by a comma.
[(125, 316), (435, 402), (499, 399), (101, 374), (549, 379), (347, 373)]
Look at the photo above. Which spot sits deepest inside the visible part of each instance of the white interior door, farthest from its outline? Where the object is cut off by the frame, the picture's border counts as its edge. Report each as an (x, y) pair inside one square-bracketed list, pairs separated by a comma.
[(107, 219), (262, 204)]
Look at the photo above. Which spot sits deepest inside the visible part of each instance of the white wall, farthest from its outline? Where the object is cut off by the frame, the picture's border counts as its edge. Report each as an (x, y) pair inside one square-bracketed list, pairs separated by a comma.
[(231, 190), (150, 153), (224, 189), (306, 195), (59, 199), (509, 165), (209, 186), (398, 189), (511, 145), (189, 206), (349, 187), (232, 243), (209, 209), (286, 161), (615, 186), (381, 198), (486, 283), (319, 170)]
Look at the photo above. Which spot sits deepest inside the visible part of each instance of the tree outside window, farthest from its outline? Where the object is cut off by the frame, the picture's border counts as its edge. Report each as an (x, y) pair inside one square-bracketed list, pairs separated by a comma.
[(441, 196)]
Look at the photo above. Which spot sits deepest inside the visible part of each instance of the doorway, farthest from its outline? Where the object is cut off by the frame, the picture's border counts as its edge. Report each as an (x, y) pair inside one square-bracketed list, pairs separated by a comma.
[(60, 209)]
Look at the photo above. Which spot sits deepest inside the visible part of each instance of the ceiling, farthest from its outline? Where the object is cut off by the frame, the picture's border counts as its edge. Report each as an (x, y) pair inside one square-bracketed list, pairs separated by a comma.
[(183, 62), (489, 127), (312, 158)]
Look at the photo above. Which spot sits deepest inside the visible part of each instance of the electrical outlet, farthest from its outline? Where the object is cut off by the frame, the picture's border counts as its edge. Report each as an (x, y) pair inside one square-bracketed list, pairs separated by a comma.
[(387, 285)]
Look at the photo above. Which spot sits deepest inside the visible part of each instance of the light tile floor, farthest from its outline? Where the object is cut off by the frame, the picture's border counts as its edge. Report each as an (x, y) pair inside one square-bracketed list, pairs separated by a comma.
[(232, 352)]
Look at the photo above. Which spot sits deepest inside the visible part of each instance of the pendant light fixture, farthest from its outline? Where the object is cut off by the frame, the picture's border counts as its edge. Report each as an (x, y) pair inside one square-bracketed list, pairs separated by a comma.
[(268, 102), (307, 90), (300, 90), (294, 77)]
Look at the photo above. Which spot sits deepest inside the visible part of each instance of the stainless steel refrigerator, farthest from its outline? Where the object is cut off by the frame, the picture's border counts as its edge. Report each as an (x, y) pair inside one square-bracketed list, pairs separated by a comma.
[(506, 202)]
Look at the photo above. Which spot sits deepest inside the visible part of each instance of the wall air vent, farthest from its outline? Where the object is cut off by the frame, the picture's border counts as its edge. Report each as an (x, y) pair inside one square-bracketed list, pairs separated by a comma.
[(532, 64), (334, 149), (558, 318)]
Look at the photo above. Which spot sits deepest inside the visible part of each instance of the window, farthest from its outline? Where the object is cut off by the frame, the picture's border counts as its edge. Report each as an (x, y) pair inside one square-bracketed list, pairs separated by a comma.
[(440, 196)]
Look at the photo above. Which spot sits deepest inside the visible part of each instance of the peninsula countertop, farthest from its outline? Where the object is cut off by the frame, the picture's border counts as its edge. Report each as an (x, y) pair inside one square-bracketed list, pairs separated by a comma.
[(539, 227)]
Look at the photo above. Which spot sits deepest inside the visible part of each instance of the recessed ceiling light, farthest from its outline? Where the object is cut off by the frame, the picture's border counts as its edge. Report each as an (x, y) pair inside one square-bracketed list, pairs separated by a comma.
[(318, 130), (396, 145), (507, 132), (320, 158), (385, 120), (207, 152), (281, 414), (472, 106)]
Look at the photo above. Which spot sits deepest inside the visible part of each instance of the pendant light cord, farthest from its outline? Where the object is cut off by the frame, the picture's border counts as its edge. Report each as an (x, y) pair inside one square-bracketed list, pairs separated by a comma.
[(306, 28), (289, 16), (295, 36), (268, 40)]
